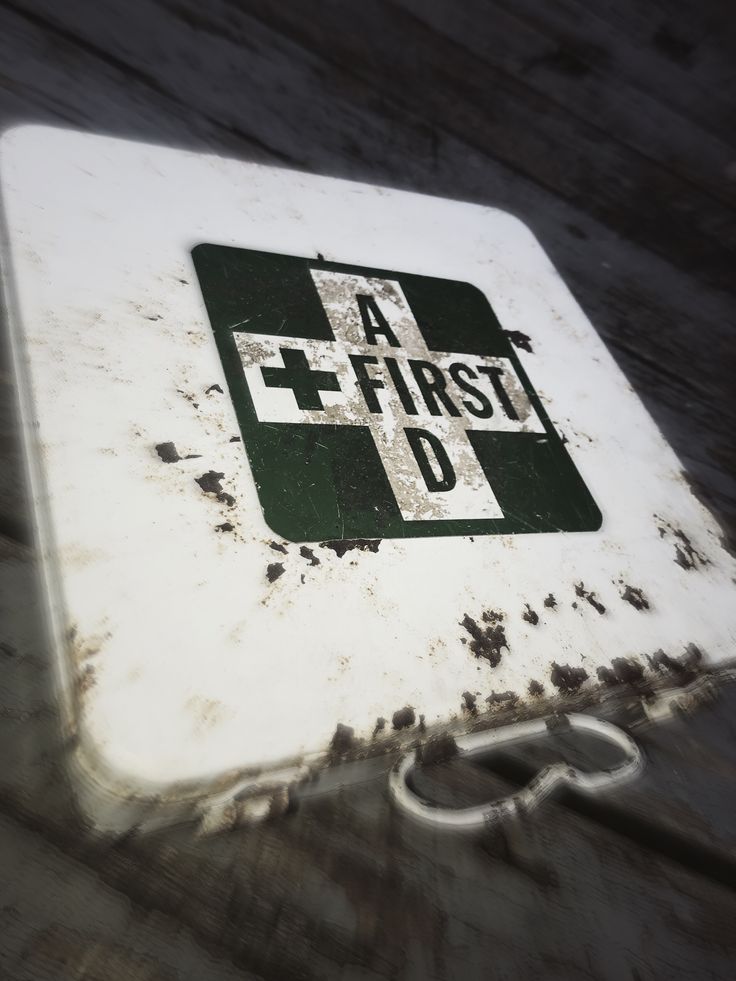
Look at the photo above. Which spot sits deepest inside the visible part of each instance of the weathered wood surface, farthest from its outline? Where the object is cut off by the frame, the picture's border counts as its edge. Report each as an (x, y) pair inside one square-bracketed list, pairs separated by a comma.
[(609, 128)]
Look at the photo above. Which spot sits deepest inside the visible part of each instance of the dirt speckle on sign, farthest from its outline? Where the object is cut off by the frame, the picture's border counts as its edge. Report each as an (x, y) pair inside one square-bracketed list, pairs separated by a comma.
[(189, 397), (635, 596), (210, 484), (84, 650), (274, 571), (486, 641), (225, 526), (502, 698), (535, 689), (566, 678), (530, 616), (207, 711), (623, 671), (686, 555), (550, 602), (213, 388), (403, 718), (86, 679), (469, 700), (168, 452), (347, 545), (585, 594), (278, 548), (684, 668), (492, 616), (307, 553)]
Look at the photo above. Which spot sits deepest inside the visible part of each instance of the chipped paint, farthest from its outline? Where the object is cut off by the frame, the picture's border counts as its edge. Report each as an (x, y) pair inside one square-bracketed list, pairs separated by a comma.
[(636, 597), (274, 571), (590, 597), (403, 718), (211, 483), (567, 678), (487, 642)]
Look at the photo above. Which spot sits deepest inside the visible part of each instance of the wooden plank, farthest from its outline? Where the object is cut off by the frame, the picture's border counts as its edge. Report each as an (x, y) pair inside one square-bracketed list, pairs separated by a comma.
[(346, 885), (494, 112), (680, 53), (633, 298), (345, 888), (57, 920), (681, 805), (501, 115), (56, 78), (588, 81)]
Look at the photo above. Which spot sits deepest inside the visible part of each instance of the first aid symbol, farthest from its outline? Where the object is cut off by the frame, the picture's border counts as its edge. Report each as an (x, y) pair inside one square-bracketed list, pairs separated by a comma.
[(356, 426)]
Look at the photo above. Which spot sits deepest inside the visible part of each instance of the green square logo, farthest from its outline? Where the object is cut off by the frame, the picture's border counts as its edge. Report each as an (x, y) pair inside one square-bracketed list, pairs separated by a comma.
[(377, 404)]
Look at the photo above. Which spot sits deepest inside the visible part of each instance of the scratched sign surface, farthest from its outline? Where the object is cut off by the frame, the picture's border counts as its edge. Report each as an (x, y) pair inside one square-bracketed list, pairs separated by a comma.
[(381, 404)]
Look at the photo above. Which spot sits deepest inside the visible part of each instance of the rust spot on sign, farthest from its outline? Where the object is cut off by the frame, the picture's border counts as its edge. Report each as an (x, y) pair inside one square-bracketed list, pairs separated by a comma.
[(530, 616), (343, 739), (486, 641), (585, 594), (210, 483), (566, 678), (623, 671), (169, 453), (636, 597), (403, 718), (469, 700), (274, 571), (347, 545), (307, 553)]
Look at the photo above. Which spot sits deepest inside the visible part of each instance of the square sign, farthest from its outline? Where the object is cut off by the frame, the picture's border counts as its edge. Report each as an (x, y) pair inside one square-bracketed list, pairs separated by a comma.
[(378, 404), (283, 500)]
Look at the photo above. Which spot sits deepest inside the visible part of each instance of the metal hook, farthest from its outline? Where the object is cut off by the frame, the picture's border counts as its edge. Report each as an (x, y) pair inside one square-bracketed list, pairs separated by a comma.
[(530, 796)]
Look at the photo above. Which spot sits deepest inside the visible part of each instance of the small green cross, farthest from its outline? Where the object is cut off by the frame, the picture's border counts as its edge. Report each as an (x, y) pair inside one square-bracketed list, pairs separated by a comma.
[(305, 382)]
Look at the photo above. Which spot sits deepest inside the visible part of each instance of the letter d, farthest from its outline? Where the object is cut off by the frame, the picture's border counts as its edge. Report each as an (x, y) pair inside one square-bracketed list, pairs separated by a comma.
[(417, 438)]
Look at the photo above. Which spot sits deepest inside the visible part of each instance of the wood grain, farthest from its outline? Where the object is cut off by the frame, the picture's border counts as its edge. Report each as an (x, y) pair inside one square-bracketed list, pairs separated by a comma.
[(609, 128)]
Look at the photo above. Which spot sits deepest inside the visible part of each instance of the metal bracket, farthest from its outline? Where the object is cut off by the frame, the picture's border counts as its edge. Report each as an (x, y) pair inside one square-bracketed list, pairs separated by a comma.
[(530, 796)]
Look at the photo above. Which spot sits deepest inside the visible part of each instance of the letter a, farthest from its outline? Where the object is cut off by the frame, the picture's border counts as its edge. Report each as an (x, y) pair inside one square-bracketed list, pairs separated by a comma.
[(374, 321)]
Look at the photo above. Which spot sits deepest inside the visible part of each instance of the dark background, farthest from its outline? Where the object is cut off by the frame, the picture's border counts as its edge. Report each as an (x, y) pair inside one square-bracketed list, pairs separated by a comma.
[(608, 127)]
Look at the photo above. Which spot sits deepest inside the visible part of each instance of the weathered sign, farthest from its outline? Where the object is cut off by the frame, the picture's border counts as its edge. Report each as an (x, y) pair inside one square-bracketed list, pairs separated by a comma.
[(321, 470)]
